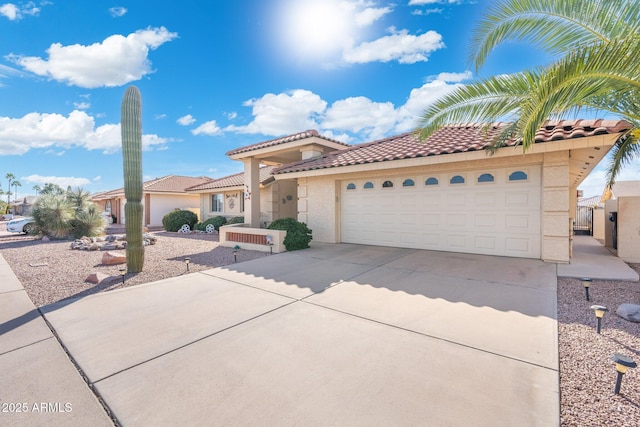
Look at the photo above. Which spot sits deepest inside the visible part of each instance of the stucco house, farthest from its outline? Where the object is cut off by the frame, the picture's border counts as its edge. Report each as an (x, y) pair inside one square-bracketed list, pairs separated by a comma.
[(226, 197), (446, 193), (159, 197)]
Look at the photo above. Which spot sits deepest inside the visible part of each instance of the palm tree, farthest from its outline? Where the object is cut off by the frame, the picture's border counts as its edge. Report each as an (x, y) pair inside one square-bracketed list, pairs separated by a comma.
[(10, 177), (78, 197), (16, 184), (53, 215), (595, 46), (37, 189)]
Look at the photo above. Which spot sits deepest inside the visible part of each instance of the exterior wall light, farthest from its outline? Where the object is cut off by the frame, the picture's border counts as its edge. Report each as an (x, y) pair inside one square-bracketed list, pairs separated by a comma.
[(600, 310), (622, 364), (123, 271), (586, 282), (187, 260)]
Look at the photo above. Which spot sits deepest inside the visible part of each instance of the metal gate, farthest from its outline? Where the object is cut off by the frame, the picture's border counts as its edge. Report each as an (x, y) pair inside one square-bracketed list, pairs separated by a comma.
[(583, 223)]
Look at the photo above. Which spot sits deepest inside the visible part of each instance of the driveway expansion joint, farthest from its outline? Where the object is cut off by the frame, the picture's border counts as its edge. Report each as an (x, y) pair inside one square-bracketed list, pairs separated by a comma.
[(434, 337)]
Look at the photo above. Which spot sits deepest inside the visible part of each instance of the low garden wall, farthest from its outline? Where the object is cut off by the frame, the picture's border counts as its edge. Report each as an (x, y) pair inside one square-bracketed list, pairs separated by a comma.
[(253, 239)]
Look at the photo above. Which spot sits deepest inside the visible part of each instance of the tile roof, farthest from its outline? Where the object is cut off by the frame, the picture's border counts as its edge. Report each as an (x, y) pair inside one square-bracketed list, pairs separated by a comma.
[(450, 139), (235, 180), (590, 201), (282, 140), (165, 184)]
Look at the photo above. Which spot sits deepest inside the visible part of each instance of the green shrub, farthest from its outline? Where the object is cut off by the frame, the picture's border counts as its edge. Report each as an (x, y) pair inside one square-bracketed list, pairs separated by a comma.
[(236, 220), (88, 222), (217, 222), (53, 215), (177, 218), (298, 234)]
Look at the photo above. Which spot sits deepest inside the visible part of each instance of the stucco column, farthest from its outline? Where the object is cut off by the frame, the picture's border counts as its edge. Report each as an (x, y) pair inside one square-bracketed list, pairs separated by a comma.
[(252, 192)]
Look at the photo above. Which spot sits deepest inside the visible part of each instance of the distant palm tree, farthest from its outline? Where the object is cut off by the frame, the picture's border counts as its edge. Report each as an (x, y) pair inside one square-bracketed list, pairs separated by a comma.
[(10, 177), (16, 184), (37, 189), (596, 46)]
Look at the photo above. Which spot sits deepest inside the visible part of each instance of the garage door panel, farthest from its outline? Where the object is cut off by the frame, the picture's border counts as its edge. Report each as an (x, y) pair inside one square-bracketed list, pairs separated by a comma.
[(499, 217)]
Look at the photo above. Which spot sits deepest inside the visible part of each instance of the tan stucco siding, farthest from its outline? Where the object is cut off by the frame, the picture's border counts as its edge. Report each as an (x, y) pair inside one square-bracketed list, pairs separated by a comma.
[(556, 222), (160, 205), (629, 229)]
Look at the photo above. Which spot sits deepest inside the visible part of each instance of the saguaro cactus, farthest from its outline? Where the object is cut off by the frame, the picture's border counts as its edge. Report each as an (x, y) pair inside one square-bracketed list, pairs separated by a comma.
[(131, 130)]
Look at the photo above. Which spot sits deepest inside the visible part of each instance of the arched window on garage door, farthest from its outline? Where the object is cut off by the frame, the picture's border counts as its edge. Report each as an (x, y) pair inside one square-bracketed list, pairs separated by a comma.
[(486, 177), (518, 176), (387, 184), (408, 183), (368, 185), (431, 181), (458, 179), (351, 186)]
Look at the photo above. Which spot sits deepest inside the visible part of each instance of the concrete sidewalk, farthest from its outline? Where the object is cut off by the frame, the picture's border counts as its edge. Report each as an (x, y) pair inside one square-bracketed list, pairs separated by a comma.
[(38, 383), (592, 260)]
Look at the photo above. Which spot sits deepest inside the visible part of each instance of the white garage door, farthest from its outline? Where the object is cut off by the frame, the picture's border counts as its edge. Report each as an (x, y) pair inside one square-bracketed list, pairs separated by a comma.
[(494, 212)]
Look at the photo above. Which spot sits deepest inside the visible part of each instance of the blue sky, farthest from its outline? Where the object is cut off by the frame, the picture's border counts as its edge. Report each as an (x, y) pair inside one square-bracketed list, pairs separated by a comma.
[(216, 75)]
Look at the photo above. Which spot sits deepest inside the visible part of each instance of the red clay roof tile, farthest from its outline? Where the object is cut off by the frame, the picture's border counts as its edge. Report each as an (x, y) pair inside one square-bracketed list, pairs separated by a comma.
[(457, 138), (282, 140)]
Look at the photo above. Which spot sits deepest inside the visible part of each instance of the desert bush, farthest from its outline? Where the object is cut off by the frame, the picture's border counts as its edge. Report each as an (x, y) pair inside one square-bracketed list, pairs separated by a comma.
[(88, 221), (53, 215), (298, 234), (217, 222), (177, 218)]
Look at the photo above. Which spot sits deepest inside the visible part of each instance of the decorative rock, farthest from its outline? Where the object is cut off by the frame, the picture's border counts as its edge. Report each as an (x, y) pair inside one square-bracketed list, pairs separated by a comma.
[(630, 312), (97, 278), (113, 258), (46, 239)]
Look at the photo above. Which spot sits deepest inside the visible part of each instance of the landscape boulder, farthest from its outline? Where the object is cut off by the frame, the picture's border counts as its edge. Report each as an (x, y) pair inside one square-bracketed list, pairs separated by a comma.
[(113, 258), (630, 312), (99, 278)]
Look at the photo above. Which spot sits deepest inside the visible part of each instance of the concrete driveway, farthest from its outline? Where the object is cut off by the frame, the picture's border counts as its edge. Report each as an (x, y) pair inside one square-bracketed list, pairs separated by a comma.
[(332, 335)]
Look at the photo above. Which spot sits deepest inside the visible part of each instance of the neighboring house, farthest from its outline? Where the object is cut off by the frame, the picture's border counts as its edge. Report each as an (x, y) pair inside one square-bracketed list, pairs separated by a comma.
[(23, 207), (159, 197), (622, 223), (446, 193), (226, 197)]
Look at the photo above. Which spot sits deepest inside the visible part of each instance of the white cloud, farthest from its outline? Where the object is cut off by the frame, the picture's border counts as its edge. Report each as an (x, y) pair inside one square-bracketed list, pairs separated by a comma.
[(160, 116), (210, 128), (232, 116), (62, 181), (117, 11), (186, 120), (283, 113), (358, 114), (400, 46), (354, 119), (455, 77), (97, 178), (371, 14), (82, 105), (42, 130), (421, 12), (423, 2), (115, 61), (11, 11)]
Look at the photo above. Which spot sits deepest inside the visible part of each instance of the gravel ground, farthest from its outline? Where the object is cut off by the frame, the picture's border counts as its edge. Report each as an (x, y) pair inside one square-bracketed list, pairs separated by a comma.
[(51, 271), (587, 375)]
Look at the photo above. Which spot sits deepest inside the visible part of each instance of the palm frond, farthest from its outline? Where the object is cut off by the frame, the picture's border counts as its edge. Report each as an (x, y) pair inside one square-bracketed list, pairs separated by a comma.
[(556, 26), (623, 152)]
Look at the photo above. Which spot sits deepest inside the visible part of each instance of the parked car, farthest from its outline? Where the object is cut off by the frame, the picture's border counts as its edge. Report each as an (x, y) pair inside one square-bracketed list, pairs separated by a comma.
[(21, 225), (7, 217)]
